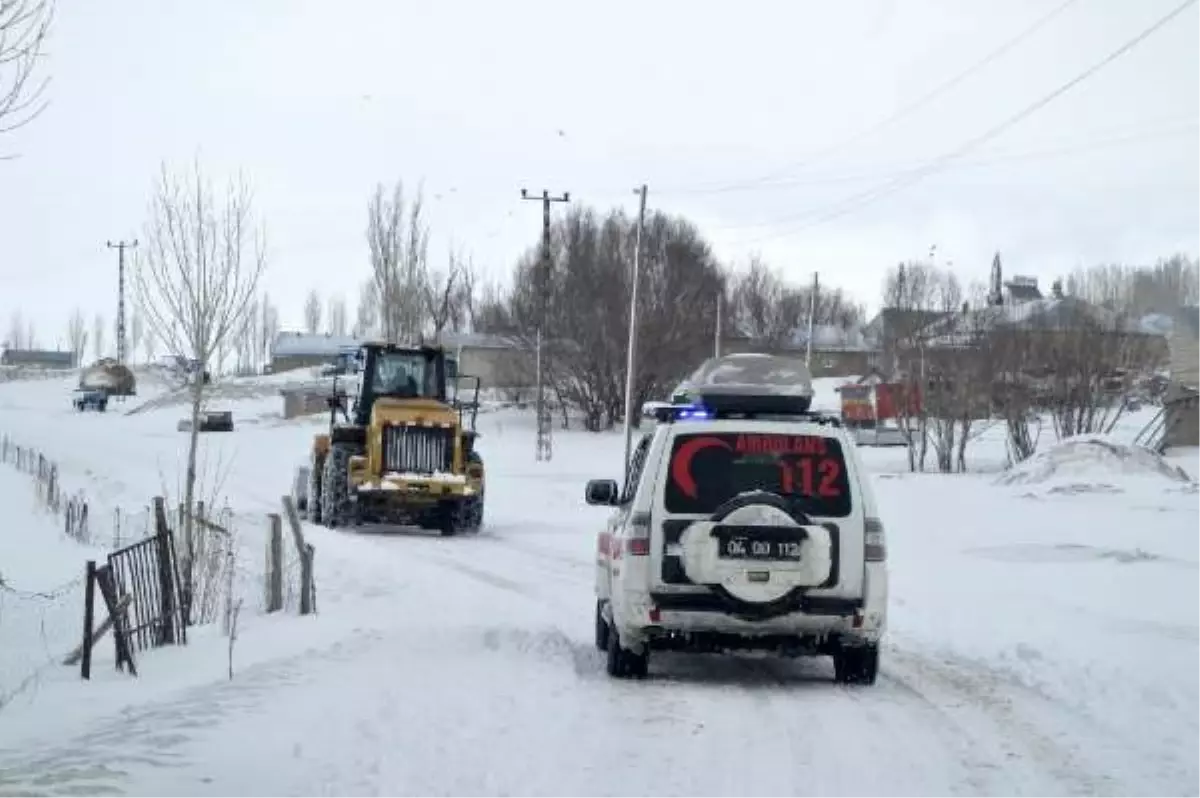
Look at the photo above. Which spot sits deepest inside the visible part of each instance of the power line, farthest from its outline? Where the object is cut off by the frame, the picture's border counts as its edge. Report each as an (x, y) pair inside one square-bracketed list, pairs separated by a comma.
[(862, 199), (904, 112), (1067, 148)]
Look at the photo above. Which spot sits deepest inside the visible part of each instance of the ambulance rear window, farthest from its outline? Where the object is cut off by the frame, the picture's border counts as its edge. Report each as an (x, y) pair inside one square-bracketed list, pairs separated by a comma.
[(709, 469)]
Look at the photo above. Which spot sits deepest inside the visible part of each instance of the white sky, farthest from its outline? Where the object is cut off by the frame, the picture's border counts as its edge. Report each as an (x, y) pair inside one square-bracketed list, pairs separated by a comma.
[(317, 101)]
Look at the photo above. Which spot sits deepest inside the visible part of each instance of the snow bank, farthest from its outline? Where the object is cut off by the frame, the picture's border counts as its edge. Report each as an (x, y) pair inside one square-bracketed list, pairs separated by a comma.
[(826, 394), (41, 589), (1093, 463)]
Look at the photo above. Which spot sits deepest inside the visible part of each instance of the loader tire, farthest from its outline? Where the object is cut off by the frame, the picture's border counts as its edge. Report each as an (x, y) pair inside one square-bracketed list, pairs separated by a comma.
[(473, 509), (335, 488), (312, 503)]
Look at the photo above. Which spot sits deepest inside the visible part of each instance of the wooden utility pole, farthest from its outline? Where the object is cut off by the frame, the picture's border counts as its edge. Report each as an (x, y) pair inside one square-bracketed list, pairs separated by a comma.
[(120, 247), (545, 448)]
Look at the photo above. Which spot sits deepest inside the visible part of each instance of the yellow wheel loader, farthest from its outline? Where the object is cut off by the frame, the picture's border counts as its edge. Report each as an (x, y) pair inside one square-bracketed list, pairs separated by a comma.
[(404, 454)]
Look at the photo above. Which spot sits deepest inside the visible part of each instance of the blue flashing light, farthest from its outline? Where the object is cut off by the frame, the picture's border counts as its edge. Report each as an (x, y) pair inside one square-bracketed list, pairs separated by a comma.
[(693, 413)]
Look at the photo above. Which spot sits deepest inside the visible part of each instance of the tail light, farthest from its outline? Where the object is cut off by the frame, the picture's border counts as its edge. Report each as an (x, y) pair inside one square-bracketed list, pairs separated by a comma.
[(638, 535), (876, 545)]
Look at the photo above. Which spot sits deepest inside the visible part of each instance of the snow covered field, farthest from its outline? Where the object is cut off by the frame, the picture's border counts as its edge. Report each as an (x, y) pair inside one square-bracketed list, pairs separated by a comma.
[(1043, 638)]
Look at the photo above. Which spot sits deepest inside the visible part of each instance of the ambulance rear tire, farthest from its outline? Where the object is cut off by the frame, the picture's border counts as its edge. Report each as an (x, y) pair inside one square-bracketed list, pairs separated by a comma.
[(622, 663), (602, 630)]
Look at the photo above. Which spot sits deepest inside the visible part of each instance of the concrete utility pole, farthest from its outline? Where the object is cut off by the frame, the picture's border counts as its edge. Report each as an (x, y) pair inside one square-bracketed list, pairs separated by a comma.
[(812, 316), (717, 335), (631, 354), (120, 247), (545, 447)]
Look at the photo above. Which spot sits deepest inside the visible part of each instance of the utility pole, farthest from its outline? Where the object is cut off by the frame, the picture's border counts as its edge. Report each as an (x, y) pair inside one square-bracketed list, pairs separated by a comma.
[(812, 315), (631, 354), (545, 447), (120, 247), (717, 335)]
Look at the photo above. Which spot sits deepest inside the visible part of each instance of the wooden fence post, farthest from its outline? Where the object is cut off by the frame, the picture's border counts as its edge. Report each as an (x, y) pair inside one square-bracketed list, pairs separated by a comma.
[(107, 583), (89, 609), (275, 564), (166, 583), (307, 554), (306, 580)]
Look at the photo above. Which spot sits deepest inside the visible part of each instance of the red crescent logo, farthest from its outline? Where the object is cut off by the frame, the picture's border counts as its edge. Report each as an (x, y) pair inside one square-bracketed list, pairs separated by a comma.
[(681, 466)]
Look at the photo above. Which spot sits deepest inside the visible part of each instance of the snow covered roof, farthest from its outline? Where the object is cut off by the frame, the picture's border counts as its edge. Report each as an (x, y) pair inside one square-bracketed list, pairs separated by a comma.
[(292, 344), (1066, 313), (831, 337), (453, 340), (40, 357)]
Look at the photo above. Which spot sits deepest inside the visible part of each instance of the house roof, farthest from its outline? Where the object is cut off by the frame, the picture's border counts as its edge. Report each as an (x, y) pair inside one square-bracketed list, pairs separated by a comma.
[(297, 344), (1066, 313), (453, 340), (15, 357), (890, 320), (829, 337)]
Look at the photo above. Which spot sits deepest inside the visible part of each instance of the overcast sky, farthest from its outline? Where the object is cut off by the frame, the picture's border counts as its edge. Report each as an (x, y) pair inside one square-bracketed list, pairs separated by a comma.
[(318, 101)]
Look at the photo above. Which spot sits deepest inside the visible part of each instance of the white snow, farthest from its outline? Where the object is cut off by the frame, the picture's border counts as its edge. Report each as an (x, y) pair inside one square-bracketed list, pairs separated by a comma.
[(1040, 642), (41, 588), (1095, 463)]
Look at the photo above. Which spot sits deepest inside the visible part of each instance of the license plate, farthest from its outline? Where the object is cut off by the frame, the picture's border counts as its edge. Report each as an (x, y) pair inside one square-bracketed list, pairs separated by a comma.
[(746, 548)]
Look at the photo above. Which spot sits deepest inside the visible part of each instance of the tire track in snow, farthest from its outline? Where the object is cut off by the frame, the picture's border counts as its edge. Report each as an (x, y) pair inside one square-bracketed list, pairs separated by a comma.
[(980, 762), (960, 693)]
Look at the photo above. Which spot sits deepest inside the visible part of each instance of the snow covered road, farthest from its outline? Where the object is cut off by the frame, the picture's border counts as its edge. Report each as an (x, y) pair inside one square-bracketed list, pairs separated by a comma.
[(1043, 642)]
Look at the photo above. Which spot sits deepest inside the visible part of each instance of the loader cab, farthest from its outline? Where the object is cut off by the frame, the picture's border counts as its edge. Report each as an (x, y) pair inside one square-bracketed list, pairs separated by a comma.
[(399, 373)]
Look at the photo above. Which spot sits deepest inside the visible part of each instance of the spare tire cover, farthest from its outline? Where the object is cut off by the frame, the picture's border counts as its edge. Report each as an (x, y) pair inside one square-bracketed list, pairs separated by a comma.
[(704, 566)]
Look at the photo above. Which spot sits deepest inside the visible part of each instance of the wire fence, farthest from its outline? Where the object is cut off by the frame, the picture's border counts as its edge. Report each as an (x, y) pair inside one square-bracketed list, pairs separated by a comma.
[(72, 509), (39, 626), (218, 573)]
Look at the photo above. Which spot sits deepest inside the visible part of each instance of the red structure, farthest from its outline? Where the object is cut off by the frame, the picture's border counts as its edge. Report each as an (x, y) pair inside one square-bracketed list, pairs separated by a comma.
[(866, 403)]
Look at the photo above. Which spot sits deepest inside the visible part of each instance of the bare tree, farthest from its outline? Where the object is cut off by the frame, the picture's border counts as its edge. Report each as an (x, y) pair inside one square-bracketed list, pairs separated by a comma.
[(24, 27), (312, 313), (246, 340), (337, 315), (195, 279), (77, 335), (366, 316), (1170, 283), (399, 247), (30, 335), (773, 312), (765, 308), (1090, 362), (910, 298), (444, 305), (98, 328), (16, 331), (149, 345), (493, 311), (268, 328), (137, 328), (588, 308)]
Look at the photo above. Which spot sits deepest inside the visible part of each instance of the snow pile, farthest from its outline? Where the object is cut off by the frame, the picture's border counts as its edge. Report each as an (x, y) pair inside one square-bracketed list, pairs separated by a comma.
[(1092, 463)]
